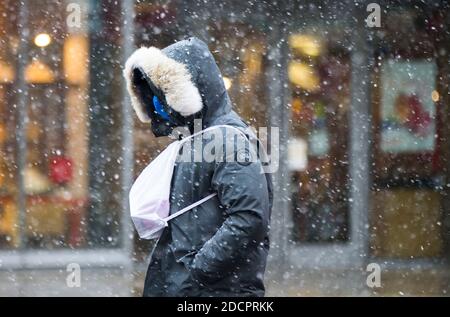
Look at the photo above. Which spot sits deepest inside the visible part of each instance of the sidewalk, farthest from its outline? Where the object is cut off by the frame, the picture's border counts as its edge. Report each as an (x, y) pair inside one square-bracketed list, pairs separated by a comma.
[(404, 282), (114, 282), (94, 282)]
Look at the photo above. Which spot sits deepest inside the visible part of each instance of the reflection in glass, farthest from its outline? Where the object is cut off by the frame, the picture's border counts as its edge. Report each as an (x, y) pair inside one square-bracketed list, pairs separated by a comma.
[(317, 151)]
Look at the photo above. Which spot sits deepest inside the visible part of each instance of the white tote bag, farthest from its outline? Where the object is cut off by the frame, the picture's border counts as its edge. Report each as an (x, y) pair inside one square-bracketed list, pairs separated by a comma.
[(150, 193)]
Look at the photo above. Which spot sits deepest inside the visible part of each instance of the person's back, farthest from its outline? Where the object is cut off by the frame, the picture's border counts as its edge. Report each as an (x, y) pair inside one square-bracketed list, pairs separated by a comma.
[(220, 247)]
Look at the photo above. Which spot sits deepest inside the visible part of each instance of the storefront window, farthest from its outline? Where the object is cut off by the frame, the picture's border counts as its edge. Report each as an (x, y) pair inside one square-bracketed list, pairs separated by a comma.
[(56, 132), (61, 203), (408, 179), (319, 75), (240, 51)]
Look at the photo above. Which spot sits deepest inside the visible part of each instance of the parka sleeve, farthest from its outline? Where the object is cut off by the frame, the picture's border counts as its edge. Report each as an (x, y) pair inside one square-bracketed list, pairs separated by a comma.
[(243, 192)]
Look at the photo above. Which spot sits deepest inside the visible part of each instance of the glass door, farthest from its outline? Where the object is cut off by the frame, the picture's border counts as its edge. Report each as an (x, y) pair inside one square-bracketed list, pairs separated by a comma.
[(319, 73)]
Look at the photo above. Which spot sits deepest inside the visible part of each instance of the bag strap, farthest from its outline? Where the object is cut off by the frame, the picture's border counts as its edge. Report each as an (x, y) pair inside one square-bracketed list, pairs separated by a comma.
[(201, 201), (185, 209)]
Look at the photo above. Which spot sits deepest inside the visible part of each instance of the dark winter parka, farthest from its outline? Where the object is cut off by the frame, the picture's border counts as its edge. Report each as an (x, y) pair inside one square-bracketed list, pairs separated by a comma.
[(220, 247)]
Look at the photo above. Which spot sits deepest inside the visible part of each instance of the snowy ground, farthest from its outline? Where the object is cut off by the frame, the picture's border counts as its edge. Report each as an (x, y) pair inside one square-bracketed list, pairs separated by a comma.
[(113, 282)]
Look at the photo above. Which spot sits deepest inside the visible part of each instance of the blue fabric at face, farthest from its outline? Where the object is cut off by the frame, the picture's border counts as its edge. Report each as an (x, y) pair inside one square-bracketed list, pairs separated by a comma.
[(159, 108)]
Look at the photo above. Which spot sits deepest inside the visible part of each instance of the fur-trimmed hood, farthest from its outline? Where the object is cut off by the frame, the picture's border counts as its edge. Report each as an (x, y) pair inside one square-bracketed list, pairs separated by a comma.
[(184, 74)]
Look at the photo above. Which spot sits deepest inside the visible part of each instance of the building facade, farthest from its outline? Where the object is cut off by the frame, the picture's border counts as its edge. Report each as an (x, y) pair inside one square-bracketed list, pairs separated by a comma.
[(359, 93)]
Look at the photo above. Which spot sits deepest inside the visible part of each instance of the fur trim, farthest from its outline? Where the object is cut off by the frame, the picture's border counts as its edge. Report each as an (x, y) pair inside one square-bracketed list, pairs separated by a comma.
[(172, 77)]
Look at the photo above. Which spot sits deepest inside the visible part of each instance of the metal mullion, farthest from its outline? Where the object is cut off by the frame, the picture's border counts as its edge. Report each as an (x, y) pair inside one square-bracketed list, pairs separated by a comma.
[(360, 122), (127, 136), (279, 116)]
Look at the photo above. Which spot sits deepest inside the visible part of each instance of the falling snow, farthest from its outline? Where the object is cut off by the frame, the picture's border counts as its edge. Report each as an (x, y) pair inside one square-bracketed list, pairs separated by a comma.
[(364, 149)]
